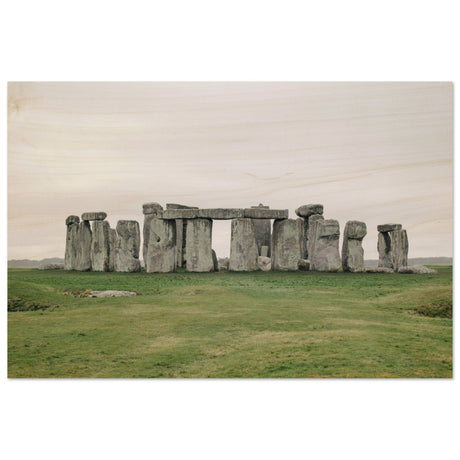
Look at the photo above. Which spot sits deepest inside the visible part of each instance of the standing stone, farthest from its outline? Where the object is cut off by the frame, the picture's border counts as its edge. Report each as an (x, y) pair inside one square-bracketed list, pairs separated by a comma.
[(84, 246), (243, 247), (127, 246), (215, 261), (263, 230), (325, 256), (310, 235), (393, 246), (308, 213), (150, 210), (352, 250), (181, 233), (100, 246), (286, 244), (198, 246), (112, 246), (264, 251), (161, 253), (71, 243)]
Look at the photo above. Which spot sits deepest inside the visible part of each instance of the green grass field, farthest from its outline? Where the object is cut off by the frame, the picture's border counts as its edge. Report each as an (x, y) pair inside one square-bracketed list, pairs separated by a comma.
[(299, 324)]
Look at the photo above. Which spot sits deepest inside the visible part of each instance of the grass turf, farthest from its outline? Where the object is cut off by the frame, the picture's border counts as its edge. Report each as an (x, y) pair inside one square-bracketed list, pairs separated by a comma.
[(294, 324)]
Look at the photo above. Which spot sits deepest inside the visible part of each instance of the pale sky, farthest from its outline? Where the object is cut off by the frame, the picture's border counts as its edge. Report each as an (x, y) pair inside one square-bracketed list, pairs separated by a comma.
[(375, 152)]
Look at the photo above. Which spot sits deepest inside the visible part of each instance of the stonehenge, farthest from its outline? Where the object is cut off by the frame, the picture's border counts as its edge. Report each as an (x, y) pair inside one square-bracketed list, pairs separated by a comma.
[(352, 250), (393, 246), (179, 237)]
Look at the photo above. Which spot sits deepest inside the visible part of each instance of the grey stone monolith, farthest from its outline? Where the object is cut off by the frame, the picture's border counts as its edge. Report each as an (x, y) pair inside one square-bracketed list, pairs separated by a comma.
[(393, 246), (264, 250), (308, 213), (198, 250), (161, 253), (286, 244), (127, 246), (325, 256), (243, 246), (112, 244), (310, 226), (215, 261), (150, 210), (181, 232), (71, 243), (100, 246), (84, 246), (263, 231), (352, 249)]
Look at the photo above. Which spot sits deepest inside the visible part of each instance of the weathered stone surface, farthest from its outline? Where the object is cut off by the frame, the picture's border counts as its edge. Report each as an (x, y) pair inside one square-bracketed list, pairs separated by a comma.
[(220, 213), (152, 208), (264, 251), (393, 249), (127, 246), (308, 210), (262, 213), (214, 261), (150, 211), (417, 270), (264, 263), (263, 230), (94, 215), (388, 227), (112, 244), (180, 214), (100, 246), (243, 247), (286, 244), (304, 265), (310, 234), (71, 243), (325, 255), (161, 253), (111, 293), (72, 220), (352, 250), (181, 233), (198, 250), (378, 270), (84, 246)]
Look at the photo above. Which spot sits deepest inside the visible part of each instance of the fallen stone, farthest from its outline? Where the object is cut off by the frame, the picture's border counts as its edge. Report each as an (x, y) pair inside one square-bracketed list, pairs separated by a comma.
[(71, 243), (111, 293), (286, 244), (262, 213), (325, 256), (352, 250), (417, 270), (264, 263), (127, 247), (150, 210), (198, 249), (243, 246), (100, 246), (93, 216), (378, 270), (84, 246), (264, 251), (304, 265), (388, 227), (161, 253), (72, 220), (308, 210), (51, 267)]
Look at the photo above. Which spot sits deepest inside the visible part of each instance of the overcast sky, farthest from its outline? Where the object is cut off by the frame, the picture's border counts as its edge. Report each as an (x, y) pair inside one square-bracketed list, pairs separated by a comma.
[(376, 152)]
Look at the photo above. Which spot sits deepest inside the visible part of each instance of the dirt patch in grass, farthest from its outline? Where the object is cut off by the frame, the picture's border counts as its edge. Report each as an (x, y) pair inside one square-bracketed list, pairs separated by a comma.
[(18, 304), (441, 308)]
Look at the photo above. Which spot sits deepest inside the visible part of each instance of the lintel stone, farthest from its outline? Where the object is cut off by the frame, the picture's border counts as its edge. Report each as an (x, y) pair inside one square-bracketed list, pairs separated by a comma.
[(94, 215), (388, 227), (261, 213)]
